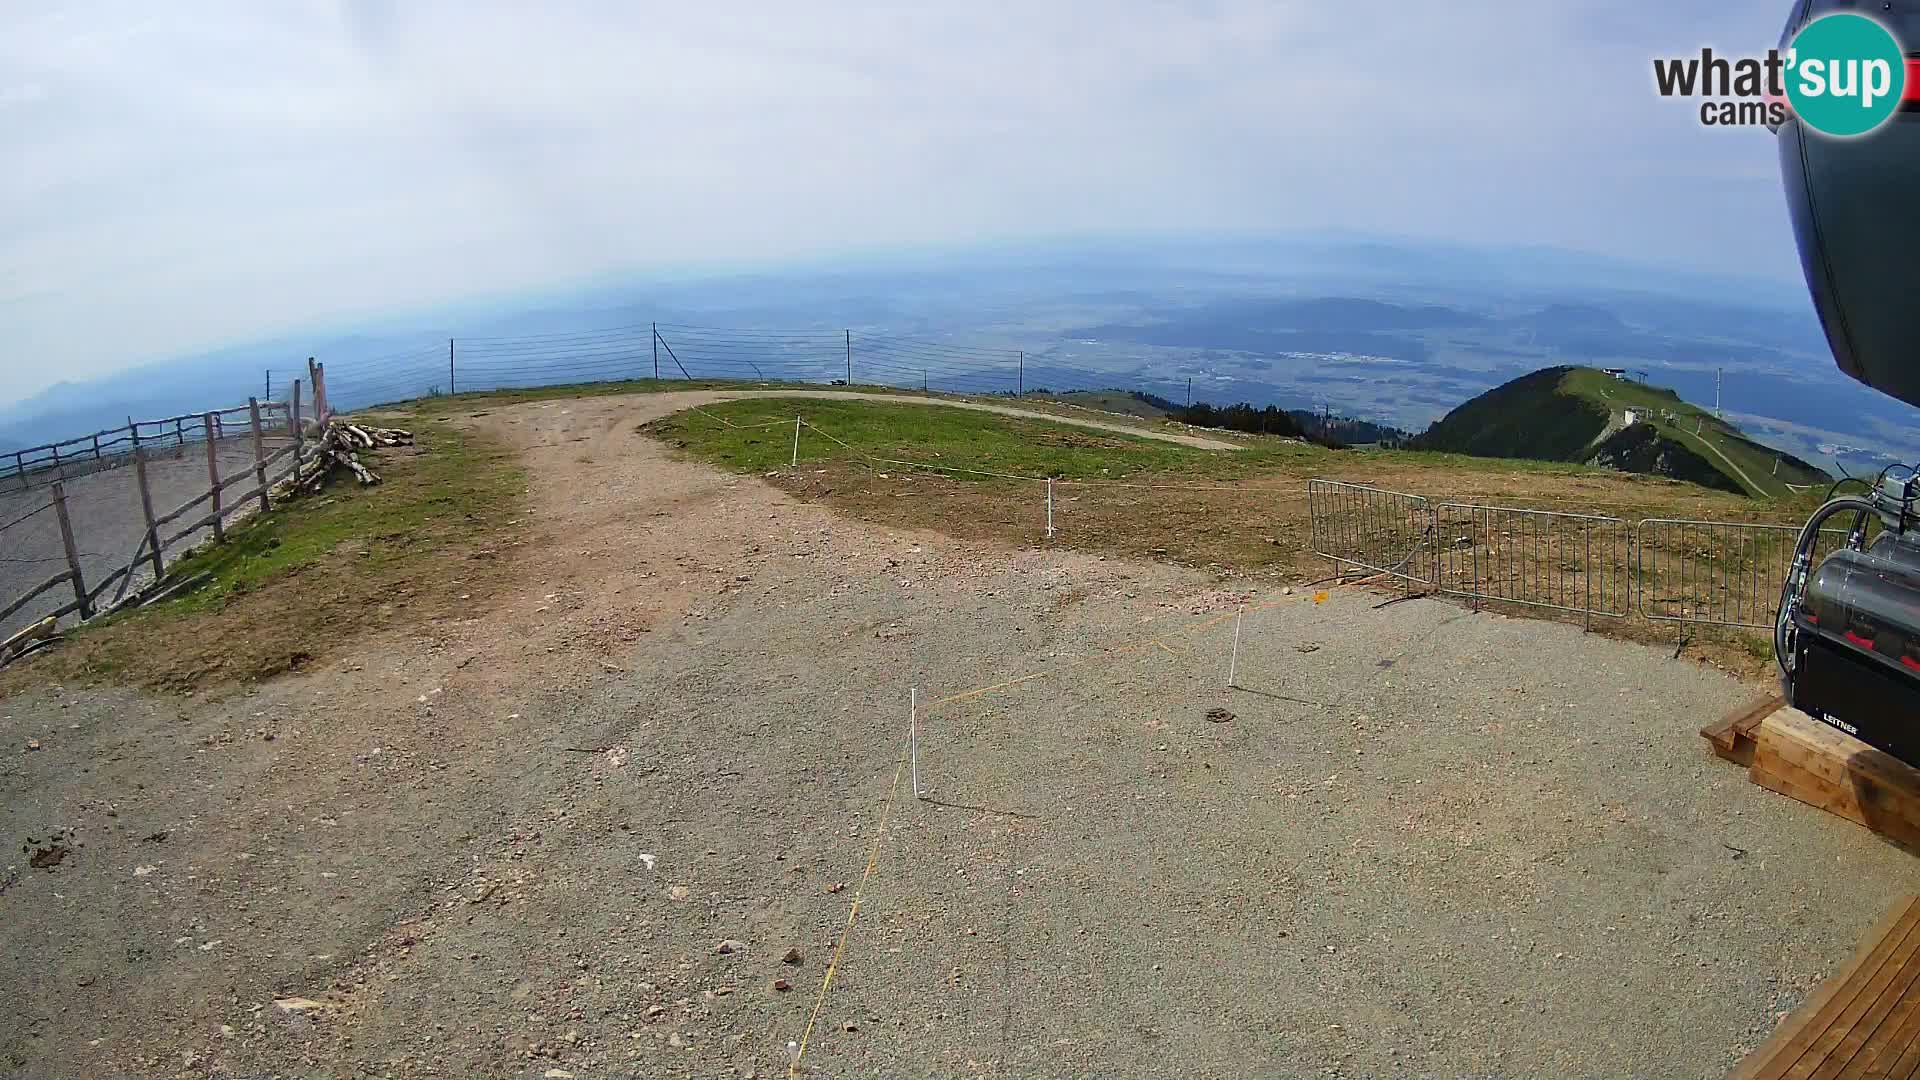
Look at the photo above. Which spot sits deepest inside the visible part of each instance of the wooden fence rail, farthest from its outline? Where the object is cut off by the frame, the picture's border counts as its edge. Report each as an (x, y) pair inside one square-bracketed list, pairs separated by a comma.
[(113, 447), (141, 438)]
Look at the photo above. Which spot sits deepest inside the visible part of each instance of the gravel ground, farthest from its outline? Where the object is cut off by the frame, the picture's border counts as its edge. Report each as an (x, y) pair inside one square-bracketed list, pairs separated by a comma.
[(582, 829), (107, 521)]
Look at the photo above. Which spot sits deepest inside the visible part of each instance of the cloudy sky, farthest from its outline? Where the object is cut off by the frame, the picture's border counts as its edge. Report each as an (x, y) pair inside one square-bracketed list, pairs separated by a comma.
[(182, 176)]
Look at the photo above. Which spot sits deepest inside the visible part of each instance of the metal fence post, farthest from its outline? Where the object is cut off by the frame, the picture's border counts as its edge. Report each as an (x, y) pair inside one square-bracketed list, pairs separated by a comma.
[(1049, 507), (1586, 571), (73, 555)]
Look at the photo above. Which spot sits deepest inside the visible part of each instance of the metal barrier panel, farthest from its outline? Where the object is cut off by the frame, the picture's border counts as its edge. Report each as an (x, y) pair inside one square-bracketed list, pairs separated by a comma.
[(1725, 573), (1567, 562), (1384, 531)]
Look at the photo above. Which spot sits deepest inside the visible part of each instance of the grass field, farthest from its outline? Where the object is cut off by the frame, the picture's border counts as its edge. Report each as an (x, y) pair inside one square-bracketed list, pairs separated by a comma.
[(1753, 465), (1236, 513)]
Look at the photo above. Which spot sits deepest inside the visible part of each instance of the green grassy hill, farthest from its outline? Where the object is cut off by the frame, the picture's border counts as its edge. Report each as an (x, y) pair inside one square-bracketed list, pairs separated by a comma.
[(1580, 414)]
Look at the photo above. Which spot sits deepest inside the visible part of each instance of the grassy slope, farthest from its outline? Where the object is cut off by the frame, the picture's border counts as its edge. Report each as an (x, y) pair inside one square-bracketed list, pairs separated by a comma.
[(1715, 440), (1118, 402), (1526, 417), (290, 585), (963, 438), (1243, 514), (1039, 448)]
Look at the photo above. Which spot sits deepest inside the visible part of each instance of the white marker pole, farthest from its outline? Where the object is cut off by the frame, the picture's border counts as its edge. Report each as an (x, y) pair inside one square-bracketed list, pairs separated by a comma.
[(796, 442), (913, 736), (1233, 663), (1049, 507)]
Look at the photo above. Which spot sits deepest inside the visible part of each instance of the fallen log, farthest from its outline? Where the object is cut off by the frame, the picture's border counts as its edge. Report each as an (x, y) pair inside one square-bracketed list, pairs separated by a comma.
[(18, 642)]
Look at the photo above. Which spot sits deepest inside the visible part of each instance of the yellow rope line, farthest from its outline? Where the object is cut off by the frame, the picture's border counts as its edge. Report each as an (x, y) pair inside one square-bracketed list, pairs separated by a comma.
[(963, 695), (873, 856)]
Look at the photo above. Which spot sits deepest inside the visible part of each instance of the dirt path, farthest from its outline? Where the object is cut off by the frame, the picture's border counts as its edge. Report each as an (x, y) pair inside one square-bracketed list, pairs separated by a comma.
[(584, 826), (680, 401)]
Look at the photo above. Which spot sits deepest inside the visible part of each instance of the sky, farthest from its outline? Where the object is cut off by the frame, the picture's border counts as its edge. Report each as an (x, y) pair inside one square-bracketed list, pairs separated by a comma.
[(185, 176)]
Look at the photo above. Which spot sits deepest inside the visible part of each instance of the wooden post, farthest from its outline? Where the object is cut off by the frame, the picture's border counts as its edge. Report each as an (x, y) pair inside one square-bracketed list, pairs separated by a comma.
[(96, 446), (146, 503), (179, 431), (20, 469), (259, 452), (293, 421), (318, 390), (213, 477), (73, 554), (57, 472)]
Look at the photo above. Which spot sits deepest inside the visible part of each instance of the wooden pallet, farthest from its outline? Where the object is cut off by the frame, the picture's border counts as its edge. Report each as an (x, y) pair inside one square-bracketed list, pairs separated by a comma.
[(1864, 1021), (1733, 735)]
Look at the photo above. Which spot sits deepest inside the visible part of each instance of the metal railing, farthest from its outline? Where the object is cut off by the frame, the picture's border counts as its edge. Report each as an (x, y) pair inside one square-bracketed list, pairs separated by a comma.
[(1668, 570), (1388, 532), (1717, 572), (1567, 562)]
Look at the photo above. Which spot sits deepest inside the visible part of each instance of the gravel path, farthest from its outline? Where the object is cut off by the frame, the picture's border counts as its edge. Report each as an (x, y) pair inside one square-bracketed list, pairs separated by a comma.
[(107, 521), (584, 828)]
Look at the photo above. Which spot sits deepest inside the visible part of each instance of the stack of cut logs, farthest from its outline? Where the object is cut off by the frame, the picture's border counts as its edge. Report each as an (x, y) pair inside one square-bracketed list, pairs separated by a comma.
[(338, 443)]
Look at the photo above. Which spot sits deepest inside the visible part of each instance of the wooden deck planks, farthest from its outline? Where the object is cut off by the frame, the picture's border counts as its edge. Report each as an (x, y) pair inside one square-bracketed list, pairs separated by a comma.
[(1864, 1021)]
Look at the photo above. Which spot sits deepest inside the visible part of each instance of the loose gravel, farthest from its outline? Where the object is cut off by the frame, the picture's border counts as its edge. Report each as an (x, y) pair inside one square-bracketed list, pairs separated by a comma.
[(613, 824)]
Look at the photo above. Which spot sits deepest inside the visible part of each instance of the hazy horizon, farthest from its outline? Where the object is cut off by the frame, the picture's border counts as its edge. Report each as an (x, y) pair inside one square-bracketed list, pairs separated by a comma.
[(187, 185)]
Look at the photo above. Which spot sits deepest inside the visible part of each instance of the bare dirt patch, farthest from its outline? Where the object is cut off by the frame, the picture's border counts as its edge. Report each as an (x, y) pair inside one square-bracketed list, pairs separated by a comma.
[(583, 827)]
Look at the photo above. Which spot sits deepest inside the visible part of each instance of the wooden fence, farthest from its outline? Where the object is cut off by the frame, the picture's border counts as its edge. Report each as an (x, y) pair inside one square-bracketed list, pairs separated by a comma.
[(165, 530)]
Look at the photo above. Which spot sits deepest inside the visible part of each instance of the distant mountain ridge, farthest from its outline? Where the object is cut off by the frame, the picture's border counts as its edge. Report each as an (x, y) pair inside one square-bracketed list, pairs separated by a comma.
[(1587, 415)]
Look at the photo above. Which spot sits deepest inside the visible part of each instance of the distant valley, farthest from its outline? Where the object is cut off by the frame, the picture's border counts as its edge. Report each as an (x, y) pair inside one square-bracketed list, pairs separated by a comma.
[(1387, 330)]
